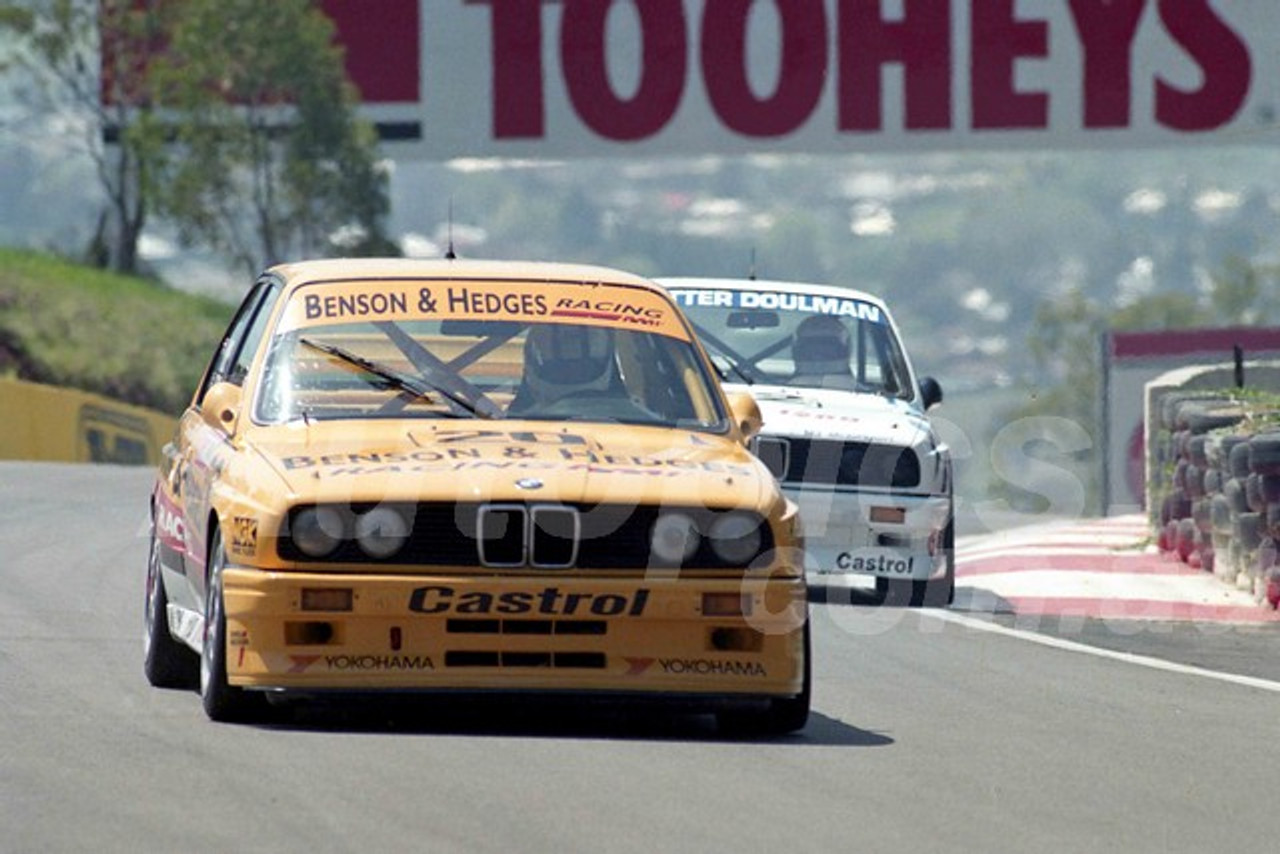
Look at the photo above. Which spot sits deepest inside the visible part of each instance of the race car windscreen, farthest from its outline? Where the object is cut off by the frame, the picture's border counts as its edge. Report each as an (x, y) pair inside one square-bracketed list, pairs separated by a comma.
[(486, 369), (801, 340)]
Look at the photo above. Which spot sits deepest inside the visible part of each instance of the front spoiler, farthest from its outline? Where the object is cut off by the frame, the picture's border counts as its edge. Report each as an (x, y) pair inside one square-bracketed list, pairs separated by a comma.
[(536, 634)]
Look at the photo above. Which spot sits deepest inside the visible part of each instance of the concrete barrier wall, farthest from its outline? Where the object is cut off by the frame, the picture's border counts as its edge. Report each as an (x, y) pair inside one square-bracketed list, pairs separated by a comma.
[(39, 422), (1213, 473)]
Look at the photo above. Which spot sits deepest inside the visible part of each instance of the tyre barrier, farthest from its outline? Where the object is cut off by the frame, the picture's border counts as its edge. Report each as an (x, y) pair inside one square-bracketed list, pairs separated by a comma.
[(1214, 488)]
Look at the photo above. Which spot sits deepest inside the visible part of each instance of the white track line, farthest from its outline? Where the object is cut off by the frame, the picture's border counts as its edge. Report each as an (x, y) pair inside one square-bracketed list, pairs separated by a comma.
[(1126, 657)]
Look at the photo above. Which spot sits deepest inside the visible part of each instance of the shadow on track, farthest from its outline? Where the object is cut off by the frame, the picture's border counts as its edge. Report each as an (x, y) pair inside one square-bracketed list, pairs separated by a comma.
[(507, 717), (968, 600)]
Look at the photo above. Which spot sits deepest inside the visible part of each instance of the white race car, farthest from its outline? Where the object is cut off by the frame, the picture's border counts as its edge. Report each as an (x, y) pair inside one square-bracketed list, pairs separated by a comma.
[(845, 427)]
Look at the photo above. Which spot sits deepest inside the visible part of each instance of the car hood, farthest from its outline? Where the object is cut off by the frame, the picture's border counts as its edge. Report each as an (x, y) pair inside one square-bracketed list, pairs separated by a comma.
[(834, 414), (512, 460)]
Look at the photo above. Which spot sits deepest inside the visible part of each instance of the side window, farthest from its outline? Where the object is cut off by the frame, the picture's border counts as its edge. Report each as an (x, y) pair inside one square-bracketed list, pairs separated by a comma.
[(235, 351), (253, 337)]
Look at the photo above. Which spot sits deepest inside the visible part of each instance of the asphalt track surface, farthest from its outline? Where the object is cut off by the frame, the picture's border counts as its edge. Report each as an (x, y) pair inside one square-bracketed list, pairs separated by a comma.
[(930, 732)]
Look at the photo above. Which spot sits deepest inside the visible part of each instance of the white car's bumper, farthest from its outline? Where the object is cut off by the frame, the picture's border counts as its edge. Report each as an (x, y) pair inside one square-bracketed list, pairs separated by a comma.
[(854, 533)]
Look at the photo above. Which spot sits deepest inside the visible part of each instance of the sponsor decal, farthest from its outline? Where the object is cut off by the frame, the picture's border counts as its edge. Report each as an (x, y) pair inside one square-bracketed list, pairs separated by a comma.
[(302, 662), (813, 415), (710, 667), (637, 666), (519, 451), (617, 306), (378, 458), (877, 563), (550, 601), (471, 302), (169, 526), (770, 301), (362, 663), (345, 306), (525, 437), (613, 461), (244, 535), (618, 312), (677, 468)]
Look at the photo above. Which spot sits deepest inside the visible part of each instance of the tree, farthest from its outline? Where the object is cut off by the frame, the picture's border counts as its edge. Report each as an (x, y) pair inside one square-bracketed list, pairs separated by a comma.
[(1244, 294), (90, 59), (273, 162)]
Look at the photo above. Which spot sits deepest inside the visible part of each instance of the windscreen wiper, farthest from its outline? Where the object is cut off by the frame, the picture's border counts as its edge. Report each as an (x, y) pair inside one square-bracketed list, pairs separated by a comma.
[(435, 371), (409, 385)]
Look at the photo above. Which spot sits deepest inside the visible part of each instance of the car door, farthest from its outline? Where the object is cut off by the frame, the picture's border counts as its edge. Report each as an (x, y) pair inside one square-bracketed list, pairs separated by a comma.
[(203, 450)]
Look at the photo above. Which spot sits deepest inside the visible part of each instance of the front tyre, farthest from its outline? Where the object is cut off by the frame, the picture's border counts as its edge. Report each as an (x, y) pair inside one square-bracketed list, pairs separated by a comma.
[(222, 701), (166, 662), (941, 592), (783, 715)]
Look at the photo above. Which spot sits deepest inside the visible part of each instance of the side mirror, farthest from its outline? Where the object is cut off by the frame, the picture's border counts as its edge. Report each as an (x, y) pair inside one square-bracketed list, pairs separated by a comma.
[(746, 414), (221, 407), (930, 392)]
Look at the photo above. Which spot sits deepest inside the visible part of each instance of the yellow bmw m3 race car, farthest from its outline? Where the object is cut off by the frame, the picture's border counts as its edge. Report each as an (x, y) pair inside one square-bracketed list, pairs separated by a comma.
[(464, 476)]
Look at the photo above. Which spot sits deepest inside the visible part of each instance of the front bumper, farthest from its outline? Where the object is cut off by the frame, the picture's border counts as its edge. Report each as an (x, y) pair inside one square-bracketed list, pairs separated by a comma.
[(553, 634), (854, 533)]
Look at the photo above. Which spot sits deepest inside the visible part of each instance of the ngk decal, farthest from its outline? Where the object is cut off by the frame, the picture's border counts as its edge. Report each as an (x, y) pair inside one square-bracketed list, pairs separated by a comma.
[(244, 535)]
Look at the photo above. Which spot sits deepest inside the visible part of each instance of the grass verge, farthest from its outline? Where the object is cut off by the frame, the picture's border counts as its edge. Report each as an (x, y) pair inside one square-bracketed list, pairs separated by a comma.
[(126, 337)]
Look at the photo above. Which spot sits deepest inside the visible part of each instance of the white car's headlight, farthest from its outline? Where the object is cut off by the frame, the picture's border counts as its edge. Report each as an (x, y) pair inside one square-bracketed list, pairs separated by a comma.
[(736, 537), (317, 531), (675, 538), (381, 532)]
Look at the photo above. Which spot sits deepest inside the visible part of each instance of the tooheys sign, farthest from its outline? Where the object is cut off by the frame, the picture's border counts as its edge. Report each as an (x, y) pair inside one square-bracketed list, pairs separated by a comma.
[(561, 77)]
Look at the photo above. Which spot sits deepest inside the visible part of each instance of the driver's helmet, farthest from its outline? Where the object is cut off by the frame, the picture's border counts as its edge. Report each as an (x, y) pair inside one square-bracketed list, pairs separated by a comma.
[(563, 360), (821, 346)]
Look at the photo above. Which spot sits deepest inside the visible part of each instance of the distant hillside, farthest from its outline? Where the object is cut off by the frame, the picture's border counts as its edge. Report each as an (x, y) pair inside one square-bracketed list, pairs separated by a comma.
[(129, 338)]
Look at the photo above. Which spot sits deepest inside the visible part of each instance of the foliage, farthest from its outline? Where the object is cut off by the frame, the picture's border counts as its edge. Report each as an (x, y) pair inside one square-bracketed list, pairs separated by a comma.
[(1065, 337), (273, 162), (270, 159), (61, 45), (122, 336)]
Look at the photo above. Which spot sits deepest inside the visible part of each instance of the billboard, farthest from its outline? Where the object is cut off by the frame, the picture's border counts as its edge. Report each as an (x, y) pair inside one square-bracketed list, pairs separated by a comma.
[(558, 78)]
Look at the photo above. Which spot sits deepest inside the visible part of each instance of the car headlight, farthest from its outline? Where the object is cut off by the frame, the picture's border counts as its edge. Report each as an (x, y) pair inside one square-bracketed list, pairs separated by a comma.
[(317, 531), (674, 539), (736, 538), (381, 532)]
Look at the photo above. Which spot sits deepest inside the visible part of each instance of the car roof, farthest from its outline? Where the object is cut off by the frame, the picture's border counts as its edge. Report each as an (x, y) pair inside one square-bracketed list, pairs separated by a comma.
[(346, 269), (709, 283)]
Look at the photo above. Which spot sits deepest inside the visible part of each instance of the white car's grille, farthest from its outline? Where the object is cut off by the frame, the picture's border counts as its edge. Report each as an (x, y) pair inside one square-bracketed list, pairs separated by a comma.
[(826, 461)]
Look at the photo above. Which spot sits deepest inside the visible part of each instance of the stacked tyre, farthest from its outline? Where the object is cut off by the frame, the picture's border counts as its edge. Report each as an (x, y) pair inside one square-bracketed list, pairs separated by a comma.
[(1263, 494), (1234, 522), (1190, 479)]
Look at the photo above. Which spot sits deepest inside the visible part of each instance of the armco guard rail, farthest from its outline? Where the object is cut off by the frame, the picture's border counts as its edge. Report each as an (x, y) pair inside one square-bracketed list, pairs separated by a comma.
[(1213, 479), (40, 422)]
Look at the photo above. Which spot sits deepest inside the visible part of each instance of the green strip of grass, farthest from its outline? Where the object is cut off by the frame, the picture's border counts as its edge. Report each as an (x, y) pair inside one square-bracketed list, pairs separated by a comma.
[(129, 338)]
